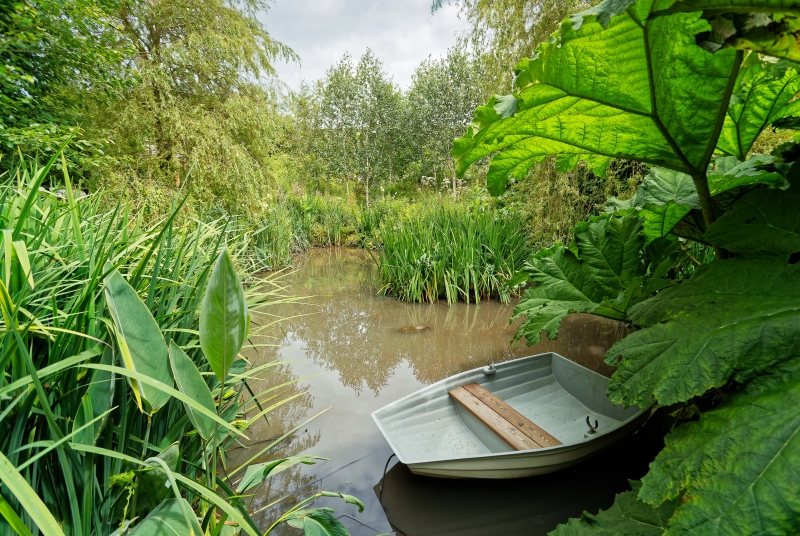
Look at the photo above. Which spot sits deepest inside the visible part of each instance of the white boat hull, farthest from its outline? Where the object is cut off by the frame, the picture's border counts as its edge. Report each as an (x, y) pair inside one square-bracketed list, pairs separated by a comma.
[(434, 436)]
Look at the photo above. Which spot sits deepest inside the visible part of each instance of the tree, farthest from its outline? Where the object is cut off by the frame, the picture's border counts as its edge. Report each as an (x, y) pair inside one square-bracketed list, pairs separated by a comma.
[(443, 94), (55, 56), (205, 102), (505, 31), (360, 119)]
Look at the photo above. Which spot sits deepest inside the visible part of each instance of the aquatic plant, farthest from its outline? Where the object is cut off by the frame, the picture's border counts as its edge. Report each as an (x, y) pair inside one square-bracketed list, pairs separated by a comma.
[(451, 252), (717, 336), (117, 400)]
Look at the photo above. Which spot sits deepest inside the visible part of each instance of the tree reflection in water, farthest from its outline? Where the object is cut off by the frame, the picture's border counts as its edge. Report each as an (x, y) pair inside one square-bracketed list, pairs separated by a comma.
[(354, 340)]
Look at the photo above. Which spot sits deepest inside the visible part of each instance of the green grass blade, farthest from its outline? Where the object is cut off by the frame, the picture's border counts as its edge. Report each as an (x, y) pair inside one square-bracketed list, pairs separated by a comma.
[(28, 499)]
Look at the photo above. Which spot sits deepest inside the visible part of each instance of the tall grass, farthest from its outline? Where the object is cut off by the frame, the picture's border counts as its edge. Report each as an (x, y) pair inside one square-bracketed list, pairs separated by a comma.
[(81, 452), (451, 252), (294, 223)]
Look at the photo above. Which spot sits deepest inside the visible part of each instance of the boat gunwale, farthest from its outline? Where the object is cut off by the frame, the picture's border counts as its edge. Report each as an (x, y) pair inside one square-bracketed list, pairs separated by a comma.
[(516, 453)]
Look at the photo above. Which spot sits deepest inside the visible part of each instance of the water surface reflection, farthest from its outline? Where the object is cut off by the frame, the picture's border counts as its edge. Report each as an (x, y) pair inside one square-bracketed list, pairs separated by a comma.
[(351, 350)]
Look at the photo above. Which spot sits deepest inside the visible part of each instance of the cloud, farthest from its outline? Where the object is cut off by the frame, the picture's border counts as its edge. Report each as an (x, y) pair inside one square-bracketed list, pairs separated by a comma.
[(401, 33)]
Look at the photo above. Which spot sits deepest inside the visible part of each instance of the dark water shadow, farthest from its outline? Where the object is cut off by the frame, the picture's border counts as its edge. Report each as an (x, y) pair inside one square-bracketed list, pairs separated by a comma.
[(423, 506)]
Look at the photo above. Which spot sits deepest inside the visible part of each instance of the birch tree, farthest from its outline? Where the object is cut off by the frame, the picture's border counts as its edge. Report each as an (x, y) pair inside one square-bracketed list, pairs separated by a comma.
[(360, 119), (443, 95)]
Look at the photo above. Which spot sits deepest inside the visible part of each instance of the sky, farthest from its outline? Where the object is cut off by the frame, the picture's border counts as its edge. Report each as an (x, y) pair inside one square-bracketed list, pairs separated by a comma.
[(401, 33)]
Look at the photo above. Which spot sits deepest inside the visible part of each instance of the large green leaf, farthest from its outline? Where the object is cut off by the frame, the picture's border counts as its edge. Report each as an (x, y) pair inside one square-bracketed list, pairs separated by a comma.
[(224, 319), (96, 401), (666, 196), (628, 516), (191, 383), (728, 172), (608, 257), (761, 223), (151, 486), (152, 483), (733, 320), (140, 341), (764, 93), (317, 522), (257, 473), (737, 465), (638, 89), (168, 519)]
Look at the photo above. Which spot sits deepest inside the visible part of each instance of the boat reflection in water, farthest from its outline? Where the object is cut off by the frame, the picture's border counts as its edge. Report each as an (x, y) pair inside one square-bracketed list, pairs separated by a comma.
[(350, 352), (424, 506)]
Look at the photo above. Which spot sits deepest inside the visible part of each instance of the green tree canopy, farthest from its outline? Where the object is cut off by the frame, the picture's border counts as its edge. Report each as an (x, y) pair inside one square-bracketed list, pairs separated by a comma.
[(205, 102), (54, 55)]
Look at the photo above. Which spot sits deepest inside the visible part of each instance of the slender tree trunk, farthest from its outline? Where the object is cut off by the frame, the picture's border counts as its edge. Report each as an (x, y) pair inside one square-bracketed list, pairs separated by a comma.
[(367, 188)]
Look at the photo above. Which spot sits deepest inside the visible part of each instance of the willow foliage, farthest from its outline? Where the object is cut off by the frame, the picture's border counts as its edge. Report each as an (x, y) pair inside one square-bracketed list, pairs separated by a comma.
[(507, 30), (204, 105)]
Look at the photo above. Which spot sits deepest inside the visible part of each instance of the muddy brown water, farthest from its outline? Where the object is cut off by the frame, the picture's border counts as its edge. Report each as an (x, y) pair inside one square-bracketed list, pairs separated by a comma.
[(354, 352)]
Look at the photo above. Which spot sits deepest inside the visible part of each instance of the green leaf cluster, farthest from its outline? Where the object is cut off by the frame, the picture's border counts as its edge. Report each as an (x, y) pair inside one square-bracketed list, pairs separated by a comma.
[(111, 410), (668, 84)]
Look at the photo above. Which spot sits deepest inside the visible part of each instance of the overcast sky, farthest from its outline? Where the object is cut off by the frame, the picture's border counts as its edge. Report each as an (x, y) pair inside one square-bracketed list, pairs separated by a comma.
[(400, 32)]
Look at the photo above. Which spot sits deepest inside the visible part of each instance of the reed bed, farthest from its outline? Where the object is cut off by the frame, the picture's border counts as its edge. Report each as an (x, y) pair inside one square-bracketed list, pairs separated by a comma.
[(84, 447), (451, 252)]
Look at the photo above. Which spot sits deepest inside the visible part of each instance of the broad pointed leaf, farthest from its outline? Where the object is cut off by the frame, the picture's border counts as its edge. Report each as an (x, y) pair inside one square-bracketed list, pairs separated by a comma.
[(257, 473), (349, 499), (224, 318), (95, 402), (737, 466), (191, 383), (616, 91), (169, 519), (733, 320), (628, 516), (317, 522), (140, 340)]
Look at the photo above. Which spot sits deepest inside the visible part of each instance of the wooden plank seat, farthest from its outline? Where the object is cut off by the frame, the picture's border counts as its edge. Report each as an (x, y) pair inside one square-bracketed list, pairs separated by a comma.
[(509, 425)]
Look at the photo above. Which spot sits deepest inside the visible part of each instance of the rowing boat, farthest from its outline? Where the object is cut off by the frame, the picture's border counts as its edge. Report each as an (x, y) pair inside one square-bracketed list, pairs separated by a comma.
[(525, 417)]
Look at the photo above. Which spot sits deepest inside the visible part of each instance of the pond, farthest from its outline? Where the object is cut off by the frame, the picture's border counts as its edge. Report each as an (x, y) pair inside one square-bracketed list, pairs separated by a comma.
[(350, 352)]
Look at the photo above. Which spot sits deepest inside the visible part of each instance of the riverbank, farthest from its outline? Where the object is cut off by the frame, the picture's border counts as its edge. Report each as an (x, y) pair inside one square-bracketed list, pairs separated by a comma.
[(427, 248)]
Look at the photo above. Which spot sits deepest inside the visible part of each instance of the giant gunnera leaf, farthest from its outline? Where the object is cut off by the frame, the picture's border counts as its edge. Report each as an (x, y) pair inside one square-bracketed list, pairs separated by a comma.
[(628, 86), (628, 516), (666, 196), (764, 93), (732, 320), (607, 255), (762, 223), (737, 467)]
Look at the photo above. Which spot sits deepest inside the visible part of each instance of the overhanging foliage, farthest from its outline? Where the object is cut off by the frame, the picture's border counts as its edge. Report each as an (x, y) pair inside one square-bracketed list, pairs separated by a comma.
[(668, 84)]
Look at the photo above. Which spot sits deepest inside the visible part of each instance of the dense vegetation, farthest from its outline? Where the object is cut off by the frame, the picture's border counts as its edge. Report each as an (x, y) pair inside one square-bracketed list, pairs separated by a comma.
[(702, 260), (117, 400), (655, 140)]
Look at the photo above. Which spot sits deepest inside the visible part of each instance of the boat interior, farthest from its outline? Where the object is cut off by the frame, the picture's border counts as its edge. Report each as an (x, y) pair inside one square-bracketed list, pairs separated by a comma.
[(540, 402)]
